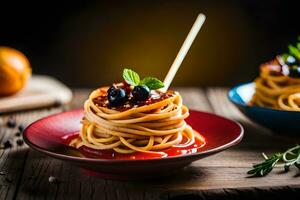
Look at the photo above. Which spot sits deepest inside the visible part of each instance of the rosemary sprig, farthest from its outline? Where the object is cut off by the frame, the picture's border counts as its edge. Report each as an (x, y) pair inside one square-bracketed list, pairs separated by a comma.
[(289, 157)]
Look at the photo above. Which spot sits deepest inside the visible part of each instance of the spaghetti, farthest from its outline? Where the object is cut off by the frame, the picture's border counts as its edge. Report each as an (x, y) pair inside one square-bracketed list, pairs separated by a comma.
[(149, 127), (275, 88)]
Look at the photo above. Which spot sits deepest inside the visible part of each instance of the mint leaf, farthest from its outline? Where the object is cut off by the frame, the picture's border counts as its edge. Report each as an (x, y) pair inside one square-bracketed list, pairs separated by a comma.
[(131, 77), (294, 51), (298, 45), (152, 83)]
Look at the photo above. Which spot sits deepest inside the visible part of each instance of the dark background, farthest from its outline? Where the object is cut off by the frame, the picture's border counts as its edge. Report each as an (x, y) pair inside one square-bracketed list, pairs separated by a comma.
[(87, 43)]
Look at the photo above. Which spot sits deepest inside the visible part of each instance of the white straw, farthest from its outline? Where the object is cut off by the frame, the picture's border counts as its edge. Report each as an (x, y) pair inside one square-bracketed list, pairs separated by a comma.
[(183, 51)]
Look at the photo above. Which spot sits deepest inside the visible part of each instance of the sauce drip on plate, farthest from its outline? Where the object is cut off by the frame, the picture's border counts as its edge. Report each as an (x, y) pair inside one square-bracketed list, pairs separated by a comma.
[(177, 150)]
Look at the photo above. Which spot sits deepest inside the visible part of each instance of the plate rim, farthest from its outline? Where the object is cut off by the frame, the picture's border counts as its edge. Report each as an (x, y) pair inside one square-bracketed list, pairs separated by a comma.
[(97, 160)]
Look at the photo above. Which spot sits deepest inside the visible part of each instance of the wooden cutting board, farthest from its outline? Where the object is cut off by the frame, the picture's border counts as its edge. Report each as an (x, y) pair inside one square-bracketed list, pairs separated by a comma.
[(41, 91)]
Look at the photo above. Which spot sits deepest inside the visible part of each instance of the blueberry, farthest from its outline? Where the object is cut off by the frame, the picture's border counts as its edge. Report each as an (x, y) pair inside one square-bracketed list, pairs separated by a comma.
[(294, 71), (18, 134), (7, 144), (116, 96), (21, 128), (20, 142), (140, 93), (111, 89), (290, 60), (11, 123)]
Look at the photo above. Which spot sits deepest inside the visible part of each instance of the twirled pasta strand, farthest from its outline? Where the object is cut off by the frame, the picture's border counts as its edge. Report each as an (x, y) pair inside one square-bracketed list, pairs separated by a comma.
[(147, 128), (276, 90)]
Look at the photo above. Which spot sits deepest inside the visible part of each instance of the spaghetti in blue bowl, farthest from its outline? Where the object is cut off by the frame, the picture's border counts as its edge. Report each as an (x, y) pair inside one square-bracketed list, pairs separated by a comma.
[(273, 99), (279, 121)]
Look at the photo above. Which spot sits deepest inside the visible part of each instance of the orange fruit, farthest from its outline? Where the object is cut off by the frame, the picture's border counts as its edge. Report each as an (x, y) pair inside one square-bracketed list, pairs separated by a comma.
[(15, 71)]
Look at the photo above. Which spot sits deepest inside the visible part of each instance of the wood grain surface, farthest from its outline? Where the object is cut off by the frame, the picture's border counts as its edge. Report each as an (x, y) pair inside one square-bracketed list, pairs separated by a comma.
[(25, 173), (41, 91)]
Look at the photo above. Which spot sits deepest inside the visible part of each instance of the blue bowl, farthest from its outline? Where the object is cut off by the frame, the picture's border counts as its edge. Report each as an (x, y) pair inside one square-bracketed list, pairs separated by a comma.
[(280, 121)]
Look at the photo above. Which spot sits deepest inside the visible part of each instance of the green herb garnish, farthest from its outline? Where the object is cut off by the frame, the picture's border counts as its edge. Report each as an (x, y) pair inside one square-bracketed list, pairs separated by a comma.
[(152, 83), (133, 78), (293, 51), (288, 158)]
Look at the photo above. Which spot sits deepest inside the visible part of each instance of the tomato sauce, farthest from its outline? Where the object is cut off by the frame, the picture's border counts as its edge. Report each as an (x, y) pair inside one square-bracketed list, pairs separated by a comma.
[(102, 100), (176, 150)]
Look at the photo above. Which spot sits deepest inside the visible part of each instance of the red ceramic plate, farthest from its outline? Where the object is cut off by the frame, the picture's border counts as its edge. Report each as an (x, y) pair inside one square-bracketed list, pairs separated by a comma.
[(45, 135)]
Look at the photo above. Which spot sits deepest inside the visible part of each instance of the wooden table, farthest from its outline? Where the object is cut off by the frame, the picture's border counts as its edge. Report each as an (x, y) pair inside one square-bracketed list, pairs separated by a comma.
[(25, 173)]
